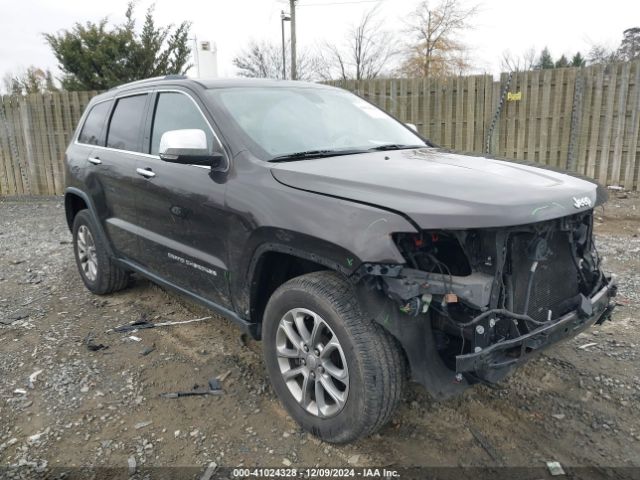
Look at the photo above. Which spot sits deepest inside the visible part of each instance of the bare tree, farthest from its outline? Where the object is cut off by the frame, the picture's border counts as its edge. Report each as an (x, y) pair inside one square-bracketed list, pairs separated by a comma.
[(434, 50), (258, 60), (367, 51), (518, 63), (601, 54), (261, 59), (30, 80), (629, 49)]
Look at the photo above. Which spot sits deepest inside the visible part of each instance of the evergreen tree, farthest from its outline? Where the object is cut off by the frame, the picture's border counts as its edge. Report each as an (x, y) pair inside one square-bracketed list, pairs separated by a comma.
[(578, 60), (630, 46), (562, 62), (546, 60), (96, 56)]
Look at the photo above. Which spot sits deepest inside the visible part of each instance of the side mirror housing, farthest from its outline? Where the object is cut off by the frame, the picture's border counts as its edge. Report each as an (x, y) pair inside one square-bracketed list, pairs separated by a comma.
[(412, 126), (188, 147)]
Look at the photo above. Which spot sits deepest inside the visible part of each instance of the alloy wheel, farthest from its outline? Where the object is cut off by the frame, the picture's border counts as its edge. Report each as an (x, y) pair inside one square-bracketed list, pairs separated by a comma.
[(312, 362), (87, 253)]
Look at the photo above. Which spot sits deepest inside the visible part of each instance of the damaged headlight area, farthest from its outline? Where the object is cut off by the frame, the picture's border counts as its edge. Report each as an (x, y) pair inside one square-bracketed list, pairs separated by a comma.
[(493, 296)]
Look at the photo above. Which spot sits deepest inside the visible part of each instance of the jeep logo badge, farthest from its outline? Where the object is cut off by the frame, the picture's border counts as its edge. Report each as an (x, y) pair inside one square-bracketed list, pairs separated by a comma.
[(581, 202)]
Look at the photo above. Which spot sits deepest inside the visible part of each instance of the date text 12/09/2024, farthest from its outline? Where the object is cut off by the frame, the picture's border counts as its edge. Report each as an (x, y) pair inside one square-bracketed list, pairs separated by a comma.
[(315, 473)]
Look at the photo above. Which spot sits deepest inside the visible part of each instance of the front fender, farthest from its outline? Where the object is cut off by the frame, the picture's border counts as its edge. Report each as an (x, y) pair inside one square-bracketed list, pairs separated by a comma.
[(267, 240)]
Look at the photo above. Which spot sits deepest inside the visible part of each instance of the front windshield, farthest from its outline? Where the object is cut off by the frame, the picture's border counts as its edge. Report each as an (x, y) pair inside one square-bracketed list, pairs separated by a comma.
[(284, 121)]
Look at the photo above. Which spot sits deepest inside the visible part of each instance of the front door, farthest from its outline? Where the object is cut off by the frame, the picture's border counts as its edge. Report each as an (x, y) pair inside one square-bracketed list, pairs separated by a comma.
[(181, 208)]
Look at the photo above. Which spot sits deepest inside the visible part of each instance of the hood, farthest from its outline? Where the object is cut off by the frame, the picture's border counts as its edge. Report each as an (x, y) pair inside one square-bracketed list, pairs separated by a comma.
[(443, 190)]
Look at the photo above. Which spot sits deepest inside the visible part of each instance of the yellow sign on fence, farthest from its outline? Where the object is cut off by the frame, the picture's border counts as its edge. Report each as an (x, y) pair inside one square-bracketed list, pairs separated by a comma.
[(514, 96)]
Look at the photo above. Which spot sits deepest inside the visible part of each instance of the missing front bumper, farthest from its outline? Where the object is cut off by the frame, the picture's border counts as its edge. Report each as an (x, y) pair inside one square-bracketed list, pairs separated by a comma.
[(495, 361)]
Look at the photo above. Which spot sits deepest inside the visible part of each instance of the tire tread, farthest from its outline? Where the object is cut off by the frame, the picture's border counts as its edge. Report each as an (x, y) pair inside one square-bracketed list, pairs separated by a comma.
[(111, 277), (384, 369)]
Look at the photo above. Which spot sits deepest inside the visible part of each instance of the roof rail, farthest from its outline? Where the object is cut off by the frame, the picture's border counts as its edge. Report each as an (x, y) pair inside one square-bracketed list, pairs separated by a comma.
[(152, 79)]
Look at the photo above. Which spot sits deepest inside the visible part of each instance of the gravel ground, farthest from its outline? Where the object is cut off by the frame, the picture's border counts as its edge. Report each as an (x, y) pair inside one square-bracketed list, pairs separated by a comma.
[(65, 405)]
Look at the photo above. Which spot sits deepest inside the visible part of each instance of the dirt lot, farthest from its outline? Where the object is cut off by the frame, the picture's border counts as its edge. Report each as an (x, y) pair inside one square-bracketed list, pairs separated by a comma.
[(577, 404)]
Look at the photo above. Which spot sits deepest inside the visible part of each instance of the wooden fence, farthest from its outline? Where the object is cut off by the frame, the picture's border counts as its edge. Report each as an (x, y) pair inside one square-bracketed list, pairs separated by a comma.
[(586, 120), (34, 133)]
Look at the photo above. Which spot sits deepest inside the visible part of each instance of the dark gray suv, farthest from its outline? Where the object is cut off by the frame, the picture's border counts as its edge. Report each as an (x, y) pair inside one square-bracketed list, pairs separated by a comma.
[(360, 253)]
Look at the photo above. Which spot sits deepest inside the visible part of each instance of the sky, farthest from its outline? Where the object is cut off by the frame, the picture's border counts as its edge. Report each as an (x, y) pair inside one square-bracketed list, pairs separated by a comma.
[(564, 26)]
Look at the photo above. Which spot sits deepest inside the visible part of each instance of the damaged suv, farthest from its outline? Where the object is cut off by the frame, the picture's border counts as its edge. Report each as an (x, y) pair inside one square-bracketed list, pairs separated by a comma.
[(361, 254)]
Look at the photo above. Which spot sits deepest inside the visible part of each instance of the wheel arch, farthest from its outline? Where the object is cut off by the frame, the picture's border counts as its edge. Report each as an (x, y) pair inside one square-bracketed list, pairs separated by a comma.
[(76, 200), (273, 264), (274, 256)]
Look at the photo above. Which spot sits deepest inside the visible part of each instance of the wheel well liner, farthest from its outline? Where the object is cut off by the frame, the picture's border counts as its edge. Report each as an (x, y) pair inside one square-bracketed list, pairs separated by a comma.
[(272, 269), (415, 335), (73, 203)]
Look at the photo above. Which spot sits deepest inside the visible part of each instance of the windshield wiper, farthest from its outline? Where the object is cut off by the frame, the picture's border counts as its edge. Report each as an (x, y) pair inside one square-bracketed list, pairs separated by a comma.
[(395, 146), (312, 154), (289, 157)]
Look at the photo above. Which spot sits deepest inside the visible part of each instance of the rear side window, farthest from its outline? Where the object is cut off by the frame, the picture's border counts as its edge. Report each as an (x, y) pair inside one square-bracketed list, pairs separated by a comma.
[(126, 123), (92, 129), (176, 111)]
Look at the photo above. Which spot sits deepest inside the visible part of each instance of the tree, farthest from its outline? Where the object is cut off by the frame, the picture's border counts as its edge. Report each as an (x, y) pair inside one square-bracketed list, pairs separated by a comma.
[(517, 63), (630, 46), (546, 60), (601, 54), (527, 61), (562, 62), (31, 80), (367, 51), (96, 56), (578, 60), (262, 59), (629, 49), (435, 50)]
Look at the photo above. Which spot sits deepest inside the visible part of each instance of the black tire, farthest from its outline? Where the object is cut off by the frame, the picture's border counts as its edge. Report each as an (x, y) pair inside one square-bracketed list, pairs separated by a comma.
[(376, 367), (109, 277)]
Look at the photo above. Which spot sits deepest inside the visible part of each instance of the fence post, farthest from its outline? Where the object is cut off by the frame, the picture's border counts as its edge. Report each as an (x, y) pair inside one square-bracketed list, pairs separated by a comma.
[(619, 132), (632, 151), (576, 117), (493, 135), (7, 187)]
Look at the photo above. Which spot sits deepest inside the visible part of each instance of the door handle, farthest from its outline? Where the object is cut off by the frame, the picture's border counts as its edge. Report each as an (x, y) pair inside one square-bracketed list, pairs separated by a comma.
[(145, 172), (94, 160)]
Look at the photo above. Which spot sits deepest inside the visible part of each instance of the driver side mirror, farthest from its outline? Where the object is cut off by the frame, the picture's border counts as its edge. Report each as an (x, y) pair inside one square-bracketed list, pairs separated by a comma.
[(188, 147)]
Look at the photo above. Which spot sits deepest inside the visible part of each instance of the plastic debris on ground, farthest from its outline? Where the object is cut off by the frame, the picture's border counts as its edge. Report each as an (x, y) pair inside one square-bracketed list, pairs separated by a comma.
[(555, 468), (214, 389)]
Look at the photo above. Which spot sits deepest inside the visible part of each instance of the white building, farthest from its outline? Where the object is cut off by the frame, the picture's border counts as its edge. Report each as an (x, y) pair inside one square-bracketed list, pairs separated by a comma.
[(205, 59)]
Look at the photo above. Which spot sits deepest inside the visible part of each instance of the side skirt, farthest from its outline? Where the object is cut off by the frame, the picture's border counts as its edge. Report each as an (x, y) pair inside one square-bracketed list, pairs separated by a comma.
[(251, 328)]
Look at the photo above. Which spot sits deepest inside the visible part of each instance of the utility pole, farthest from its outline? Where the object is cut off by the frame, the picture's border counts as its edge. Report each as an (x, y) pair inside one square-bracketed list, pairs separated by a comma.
[(196, 56), (292, 10), (284, 18)]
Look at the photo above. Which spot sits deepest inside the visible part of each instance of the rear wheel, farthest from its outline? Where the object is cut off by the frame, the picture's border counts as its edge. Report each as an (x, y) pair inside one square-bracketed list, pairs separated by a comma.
[(338, 374), (98, 271)]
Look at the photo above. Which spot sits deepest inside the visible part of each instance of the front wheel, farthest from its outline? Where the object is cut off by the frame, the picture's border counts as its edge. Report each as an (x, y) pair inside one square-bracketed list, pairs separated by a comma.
[(338, 374)]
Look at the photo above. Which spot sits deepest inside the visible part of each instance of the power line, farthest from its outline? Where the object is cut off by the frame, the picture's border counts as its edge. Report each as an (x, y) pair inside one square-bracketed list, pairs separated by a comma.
[(337, 3)]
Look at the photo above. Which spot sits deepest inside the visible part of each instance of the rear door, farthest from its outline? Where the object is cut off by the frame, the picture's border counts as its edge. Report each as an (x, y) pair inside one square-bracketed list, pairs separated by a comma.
[(117, 163), (180, 207), (83, 159)]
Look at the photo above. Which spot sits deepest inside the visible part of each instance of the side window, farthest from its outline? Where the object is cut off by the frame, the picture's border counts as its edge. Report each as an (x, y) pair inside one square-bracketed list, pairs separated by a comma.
[(92, 129), (126, 123), (176, 111)]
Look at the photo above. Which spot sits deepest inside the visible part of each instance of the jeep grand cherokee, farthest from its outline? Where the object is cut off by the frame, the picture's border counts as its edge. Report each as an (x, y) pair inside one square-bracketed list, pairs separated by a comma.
[(360, 253)]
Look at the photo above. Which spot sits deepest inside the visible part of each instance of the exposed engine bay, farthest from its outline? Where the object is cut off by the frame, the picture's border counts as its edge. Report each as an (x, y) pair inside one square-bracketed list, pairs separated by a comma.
[(492, 296)]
